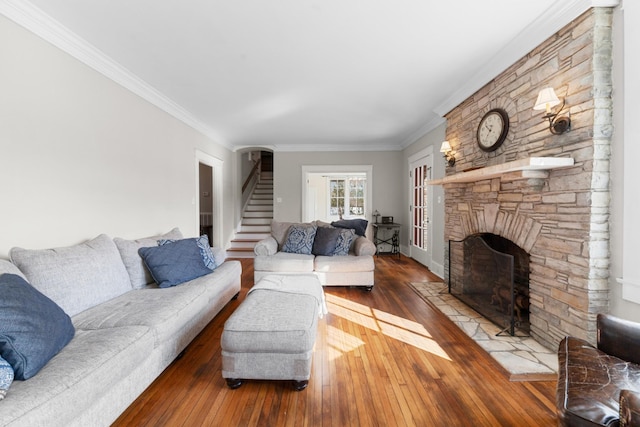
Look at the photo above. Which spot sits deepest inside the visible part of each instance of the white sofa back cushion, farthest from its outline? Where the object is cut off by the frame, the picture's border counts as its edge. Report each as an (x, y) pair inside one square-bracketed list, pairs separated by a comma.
[(75, 277), (138, 273), (7, 267)]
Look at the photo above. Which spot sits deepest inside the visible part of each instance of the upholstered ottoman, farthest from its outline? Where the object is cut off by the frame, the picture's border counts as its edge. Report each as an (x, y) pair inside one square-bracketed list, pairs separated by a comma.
[(271, 334)]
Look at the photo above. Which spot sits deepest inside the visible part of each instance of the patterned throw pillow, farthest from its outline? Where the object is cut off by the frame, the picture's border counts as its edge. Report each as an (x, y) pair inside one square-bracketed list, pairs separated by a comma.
[(344, 241), (300, 239), (6, 377)]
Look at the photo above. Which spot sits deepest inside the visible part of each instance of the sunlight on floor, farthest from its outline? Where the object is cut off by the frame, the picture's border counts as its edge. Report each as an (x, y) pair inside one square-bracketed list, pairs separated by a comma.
[(396, 327)]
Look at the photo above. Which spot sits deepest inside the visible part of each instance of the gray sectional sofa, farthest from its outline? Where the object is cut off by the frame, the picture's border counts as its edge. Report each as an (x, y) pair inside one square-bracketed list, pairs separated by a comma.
[(127, 329), (353, 268)]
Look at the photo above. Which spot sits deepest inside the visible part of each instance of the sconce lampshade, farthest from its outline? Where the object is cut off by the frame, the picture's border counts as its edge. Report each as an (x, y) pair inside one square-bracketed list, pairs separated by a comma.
[(445, 147), (547, 98)]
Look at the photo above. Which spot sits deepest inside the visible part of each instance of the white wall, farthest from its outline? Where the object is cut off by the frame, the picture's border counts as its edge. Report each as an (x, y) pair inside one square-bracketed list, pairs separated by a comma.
[(625, 150), (80, 155), (387, 179)]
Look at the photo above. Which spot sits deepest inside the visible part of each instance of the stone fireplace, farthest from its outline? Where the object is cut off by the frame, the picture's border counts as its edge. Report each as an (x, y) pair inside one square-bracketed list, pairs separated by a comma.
[(558, 216)]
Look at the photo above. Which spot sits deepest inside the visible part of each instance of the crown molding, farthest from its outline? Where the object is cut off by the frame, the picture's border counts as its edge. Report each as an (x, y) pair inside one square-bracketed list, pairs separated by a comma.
[(543, 27), (334, 147), (25, 14)]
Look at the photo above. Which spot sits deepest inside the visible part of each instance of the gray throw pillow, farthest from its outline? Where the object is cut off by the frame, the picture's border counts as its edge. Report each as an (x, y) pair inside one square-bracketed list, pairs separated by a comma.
[(33, 328), (325, 241), (358, 225)]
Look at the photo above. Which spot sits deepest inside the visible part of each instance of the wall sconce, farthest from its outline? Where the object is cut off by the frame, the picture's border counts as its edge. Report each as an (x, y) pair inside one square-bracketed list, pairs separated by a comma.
[(546, 99), (448, 153)]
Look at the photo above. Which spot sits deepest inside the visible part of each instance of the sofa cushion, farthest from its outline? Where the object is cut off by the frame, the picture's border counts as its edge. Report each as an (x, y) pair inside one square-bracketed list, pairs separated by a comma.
[(77, 377), (219, 255), (33, 328), (300, 239), (325, 241), (7, 267), (343, 264), (279, 231), (164, 311), (138, 273), (344, 241), (174, 263), (75, 277), (6, 377), (284, 262)]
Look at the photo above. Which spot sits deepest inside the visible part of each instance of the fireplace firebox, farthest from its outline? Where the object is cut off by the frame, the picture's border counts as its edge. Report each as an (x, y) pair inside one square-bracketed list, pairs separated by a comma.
[(490, 274)]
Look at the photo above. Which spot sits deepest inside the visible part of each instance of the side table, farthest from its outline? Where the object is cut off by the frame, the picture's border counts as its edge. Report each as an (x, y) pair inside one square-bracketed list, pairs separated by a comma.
[(387, 234)]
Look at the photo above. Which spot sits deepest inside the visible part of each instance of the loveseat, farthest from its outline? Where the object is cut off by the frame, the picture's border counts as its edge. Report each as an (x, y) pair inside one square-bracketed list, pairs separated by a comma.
[(600, 386), (336, 254), (117, 328)]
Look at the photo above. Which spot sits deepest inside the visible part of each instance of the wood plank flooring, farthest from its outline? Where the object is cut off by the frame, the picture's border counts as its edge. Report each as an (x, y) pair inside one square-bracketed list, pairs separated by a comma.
[(382, 358)]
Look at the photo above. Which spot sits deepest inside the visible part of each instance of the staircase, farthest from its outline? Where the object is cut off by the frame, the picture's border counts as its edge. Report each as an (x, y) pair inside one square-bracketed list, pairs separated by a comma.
[(256, 219)]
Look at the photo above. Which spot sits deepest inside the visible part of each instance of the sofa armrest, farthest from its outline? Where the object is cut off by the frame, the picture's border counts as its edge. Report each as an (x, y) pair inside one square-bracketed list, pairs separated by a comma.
[(629, 408), (363, 246), (267, 246), (619, 337)]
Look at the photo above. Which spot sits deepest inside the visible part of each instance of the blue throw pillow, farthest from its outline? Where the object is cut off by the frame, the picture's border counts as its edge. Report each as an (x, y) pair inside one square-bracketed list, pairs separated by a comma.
[(344, 241), (174, 263), (325, 241), (33, 328), (359, 225), (205, 250), (300, 239), (6, 377)]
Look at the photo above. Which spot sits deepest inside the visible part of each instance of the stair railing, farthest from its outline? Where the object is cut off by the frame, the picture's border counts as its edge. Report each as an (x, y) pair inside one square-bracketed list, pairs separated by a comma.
[(253, 175)]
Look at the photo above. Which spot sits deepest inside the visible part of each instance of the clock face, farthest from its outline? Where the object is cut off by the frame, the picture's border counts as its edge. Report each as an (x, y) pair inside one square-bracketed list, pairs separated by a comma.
[(493, 129)]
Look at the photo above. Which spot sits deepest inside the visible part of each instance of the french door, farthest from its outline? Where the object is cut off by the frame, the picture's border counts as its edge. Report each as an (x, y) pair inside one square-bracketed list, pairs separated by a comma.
[(420, 171)]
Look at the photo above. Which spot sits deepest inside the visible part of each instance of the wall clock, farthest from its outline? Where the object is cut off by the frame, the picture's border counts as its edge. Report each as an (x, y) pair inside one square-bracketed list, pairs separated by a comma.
[(493, 129)]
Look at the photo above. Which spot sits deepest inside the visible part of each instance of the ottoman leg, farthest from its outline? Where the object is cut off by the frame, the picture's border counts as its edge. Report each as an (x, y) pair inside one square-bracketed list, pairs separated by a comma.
[(234, 383), (300, 385)]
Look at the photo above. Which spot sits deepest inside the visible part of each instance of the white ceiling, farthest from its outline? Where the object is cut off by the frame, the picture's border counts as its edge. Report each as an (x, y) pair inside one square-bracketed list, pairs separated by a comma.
[(299, 74)]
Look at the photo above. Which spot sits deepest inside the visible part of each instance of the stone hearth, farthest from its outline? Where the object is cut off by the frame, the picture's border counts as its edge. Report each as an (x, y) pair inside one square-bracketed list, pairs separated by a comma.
[(560, 219)]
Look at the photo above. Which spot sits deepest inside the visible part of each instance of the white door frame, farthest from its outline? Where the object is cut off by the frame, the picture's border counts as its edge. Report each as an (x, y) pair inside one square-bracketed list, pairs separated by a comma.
[(217, 196)]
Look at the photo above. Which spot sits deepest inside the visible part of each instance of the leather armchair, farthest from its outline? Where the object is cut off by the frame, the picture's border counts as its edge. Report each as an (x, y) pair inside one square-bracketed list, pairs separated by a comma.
[(600, 386)]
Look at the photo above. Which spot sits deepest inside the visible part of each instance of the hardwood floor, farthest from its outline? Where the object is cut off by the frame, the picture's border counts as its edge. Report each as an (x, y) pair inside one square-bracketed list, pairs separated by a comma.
[(382, 358)]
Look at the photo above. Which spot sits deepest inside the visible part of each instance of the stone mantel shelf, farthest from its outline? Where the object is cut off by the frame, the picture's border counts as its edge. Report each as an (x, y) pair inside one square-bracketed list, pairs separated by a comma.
[(532, 167)]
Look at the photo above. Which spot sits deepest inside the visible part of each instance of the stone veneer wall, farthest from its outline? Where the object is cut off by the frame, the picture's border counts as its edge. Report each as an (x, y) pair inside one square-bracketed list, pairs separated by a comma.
[(561, 221)]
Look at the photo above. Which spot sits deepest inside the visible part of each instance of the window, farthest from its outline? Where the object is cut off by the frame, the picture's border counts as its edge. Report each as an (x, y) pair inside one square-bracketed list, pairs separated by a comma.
[(317, 192), (347, 196)]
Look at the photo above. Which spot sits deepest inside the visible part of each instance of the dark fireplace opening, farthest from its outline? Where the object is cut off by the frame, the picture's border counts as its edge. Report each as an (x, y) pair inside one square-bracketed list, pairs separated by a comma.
[(491, 275)]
